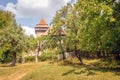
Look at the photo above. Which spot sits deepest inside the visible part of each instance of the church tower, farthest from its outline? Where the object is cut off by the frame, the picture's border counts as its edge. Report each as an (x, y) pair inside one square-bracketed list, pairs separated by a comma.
[(41, 28)]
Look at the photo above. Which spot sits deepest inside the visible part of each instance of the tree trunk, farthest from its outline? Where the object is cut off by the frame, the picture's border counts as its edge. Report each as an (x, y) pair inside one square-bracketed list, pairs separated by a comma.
[(63, 55), (37, 54), (23, 58), (117, 56), (37, 51), (62, 50), (77, 54), (103, 54), (13, 59), (98, 54)]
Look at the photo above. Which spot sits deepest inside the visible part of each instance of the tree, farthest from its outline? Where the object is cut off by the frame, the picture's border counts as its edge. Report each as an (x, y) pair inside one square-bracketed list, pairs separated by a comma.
[(6, 19), (41, 43), (72, 32), (39, 46), (116, 28), (14, 40), (97, 32), (12, 37), (57, 32)]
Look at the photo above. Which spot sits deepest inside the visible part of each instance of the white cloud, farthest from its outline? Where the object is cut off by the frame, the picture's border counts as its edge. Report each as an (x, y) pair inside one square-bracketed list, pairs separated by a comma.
[(10, 7), (35, 8), (29, 31), (67, 1), (32, 3)]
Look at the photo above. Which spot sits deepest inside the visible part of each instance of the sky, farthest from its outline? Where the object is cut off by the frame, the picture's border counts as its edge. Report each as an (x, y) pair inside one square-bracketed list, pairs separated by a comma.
[(29, 12)]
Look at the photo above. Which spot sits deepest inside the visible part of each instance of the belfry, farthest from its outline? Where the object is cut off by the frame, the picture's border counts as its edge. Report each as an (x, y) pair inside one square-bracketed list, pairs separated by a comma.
[(41, 28)]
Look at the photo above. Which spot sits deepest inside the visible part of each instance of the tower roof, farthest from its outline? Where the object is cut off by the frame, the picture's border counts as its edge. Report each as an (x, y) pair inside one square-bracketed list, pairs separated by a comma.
[(42, 23)]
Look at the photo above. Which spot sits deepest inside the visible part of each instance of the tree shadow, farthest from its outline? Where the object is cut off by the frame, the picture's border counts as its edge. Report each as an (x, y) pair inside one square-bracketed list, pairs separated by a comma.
[(84, 71), (69, 63), (6, 65), (90, 69), (68, 72), (116, 71)]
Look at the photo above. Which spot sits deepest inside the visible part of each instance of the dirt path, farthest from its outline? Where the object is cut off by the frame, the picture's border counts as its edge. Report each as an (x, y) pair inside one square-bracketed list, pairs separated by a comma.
[(19, 71)]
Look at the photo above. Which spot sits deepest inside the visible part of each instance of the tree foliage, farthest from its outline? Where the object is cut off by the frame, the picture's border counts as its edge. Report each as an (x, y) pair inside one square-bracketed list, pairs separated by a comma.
[(12, 37), (92, 26)]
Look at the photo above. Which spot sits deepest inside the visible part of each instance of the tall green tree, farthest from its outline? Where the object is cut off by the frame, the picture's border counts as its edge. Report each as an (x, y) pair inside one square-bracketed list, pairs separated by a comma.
[(90, 26), (72, 32), (97, 32), (57, 32), (116, 26), (12, 37)]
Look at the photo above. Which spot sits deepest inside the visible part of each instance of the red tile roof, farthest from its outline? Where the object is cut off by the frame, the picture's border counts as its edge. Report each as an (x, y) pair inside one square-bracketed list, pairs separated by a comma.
[(42, 23)]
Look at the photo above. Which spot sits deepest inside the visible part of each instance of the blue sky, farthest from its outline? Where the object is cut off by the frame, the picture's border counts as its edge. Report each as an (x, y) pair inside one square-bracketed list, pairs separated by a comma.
[(29, 12), (4, 2)]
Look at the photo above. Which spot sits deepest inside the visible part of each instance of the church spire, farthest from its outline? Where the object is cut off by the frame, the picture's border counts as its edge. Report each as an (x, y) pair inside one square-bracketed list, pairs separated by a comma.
[(42, 22)]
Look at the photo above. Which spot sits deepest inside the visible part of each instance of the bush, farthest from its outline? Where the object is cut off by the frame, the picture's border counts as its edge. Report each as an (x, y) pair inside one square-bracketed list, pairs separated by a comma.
[(48, 55), (5, 57), (45, 55), (30, 59)]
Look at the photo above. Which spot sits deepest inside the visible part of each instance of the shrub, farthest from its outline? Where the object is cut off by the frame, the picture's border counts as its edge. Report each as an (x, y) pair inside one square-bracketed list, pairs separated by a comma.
[(48, 55), (45, 55), (5, 57), (30, 59)]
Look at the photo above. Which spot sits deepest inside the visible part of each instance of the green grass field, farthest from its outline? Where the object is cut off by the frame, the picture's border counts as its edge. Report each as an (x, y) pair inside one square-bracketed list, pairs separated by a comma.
[(61, 70)]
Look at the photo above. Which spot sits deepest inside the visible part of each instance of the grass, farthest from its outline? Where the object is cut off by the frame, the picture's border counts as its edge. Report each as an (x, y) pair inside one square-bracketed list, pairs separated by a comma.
[(60, 70)]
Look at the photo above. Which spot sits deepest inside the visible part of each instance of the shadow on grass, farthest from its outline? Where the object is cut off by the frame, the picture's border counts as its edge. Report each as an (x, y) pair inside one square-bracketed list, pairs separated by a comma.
[(84, 71), (116, 71), (90, 69), (6, 65), (68, 72)]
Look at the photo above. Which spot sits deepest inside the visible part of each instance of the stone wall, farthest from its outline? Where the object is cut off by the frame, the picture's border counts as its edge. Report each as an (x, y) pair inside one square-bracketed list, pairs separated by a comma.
[(67, 55)]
